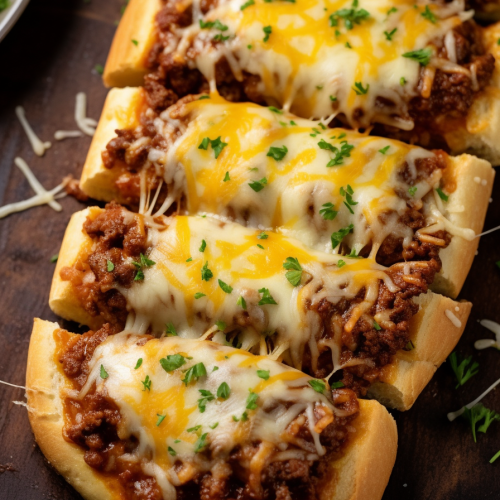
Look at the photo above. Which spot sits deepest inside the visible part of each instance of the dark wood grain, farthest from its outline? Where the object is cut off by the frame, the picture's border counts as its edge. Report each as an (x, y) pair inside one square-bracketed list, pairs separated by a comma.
[(47, 58)]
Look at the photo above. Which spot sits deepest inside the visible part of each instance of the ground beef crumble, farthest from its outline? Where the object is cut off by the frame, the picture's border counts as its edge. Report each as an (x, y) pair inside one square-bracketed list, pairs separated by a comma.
[(92, 423)]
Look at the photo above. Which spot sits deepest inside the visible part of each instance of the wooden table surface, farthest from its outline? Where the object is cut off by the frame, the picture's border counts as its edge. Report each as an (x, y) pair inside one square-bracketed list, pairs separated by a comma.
[(47, 58)]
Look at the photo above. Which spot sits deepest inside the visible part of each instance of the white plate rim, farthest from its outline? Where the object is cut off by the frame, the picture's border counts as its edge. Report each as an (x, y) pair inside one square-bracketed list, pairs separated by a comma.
[(12, 15)]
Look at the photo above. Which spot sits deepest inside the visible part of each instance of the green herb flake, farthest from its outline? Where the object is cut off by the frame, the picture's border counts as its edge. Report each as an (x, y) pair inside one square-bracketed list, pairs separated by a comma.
[(221, 325), (146, 383), (241, 302), (263, 374), (201, 443), (135, 42), (161, 418), (328, 211), (260, 246), (317, 385), (384, 150), (267, 31), (196, 428), (202, 246), (104, 374), (441, 194), (266, 298), (226, 177), (409, 346), (138, 364), (170, 330), (277, 153), (412, 190), (258, 185), (275, 110), (477, 413), (199, 295), (390, 34), (99, 69), (202, 97), (194, 373), (376, 326), (223, 391), (247, 4), (429, 15), (172, 362), (110, 266), (206, 273), (262, 236), (351, 16), (422, 56), (172, 452), (206, 396), (225, 287), (460, 366), (340, 263), (214, 426), (339, 235), (333, 98), (359, 89), (252, 401), (54, 258), (336, 385), (294, 274), (402, 81)]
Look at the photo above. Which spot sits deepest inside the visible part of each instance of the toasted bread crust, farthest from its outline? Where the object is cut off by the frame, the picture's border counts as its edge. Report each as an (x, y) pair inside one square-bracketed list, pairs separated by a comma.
[(134, 38), (361, 474)]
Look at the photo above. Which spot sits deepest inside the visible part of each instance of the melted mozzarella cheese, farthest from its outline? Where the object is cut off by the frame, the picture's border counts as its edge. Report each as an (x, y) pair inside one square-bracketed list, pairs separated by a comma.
[(296, 186), (174, 291), (168, 421), (305, 57)]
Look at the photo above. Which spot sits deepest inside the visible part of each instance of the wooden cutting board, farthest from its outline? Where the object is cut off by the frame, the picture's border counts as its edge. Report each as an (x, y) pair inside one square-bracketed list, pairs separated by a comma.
[(48, 57)]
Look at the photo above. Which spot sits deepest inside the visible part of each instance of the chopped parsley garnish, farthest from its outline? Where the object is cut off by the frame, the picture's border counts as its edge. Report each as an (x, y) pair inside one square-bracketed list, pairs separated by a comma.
[(223, 391), (349, 202), (428, 14), (260, 246), (172, 362), (110, 266), (460, 366), (226, 177), (409, 346), (138, 364), (221, 325), (275, 110), (348, 45), (104, 374), (292, 122), (266, 298), (225, 287), (263, 374), (201, 443), (350, 16), (252, 401), (206, 396), (172, 451), (196, 428), (442, 195), (328, 211), (376, 326), (217, 145), (497, 454), (333, 98), (146, 383), (422, 56), (384, 150), (199, 295), (477, 413), (247, 4), (339, 235), (340, 263), (194, 373), (390, 34), (391, 11), (412, 190), (258, 185), (213, 24), (220, 38), (294, 274), (327, 146), (170, 330), (135, 42), (345, 152), (241, 302), (54, 258), (190, 259), (161, 418), (262, 236), (214, 426), (359, 89), (337, 385), (144, 262), (354, 255), (317, 385), (206, 274), (202, 246), (277, 153), (402, 81), (99, 68), (203, 97), (267, 31)]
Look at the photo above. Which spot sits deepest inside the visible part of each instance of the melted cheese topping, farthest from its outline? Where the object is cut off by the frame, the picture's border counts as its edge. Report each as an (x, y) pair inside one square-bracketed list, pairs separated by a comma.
[(169, 423), (174, 291), (296, 186), (304, 61)]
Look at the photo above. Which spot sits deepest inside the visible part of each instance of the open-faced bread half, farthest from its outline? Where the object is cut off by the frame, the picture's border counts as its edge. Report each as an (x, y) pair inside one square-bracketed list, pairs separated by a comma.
[(258, 289), (274, 170), (169, 406), (308, 59)]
